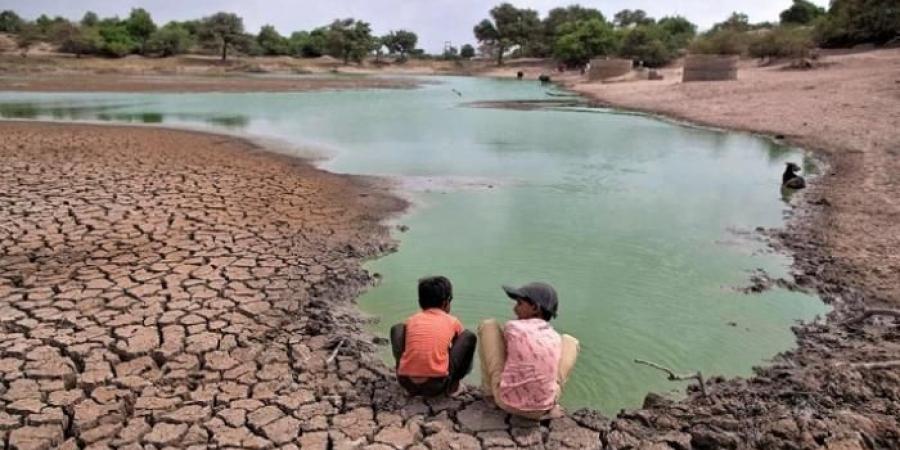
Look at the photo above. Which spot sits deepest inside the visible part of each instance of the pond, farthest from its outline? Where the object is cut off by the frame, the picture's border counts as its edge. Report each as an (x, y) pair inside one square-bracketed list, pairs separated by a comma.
[(645, 227)]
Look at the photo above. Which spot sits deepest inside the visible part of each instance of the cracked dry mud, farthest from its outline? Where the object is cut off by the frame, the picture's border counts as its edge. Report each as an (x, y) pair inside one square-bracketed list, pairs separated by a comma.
[(165, 289)]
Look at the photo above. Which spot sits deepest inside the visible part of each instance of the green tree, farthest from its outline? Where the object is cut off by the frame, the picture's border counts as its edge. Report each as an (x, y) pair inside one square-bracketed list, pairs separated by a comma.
[(172, 39), (271, 42), (223, 30), (308, 44), (349, 39), (555, 18), (648, 44), (467, 51), (10, 22), (736, 22), (510, 27), (802, 12), (580, 41), (678, 32), (628, 17), (140, 26), (90, 19), (851, 22), (400, 42), (117, 41)]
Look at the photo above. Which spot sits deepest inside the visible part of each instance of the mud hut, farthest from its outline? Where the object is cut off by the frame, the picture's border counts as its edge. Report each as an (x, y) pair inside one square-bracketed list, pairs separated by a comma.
[(710, 68), (604, 69)]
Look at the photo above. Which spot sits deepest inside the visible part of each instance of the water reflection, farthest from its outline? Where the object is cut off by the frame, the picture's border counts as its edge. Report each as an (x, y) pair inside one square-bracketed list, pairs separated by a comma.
[(113, 113)]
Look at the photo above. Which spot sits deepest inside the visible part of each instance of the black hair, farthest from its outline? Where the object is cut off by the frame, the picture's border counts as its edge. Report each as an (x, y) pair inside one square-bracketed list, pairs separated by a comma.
[(546, 315), (434, 291)]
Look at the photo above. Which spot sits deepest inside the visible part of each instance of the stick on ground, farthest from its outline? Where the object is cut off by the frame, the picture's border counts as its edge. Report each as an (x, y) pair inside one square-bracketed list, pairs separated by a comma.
[(870, 313), (678, 377)]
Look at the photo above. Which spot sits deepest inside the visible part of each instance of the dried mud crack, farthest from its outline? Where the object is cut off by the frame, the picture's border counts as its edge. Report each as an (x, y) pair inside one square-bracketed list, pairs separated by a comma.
[(166, 289)]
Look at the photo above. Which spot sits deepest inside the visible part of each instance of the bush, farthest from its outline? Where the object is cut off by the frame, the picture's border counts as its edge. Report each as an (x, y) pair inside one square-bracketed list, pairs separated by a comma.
[(782, 42), (851, 22), (722, 42), (170, 40)]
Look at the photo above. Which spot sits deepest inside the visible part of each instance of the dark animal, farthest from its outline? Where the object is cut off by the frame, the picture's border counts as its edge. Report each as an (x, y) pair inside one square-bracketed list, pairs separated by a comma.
[(520, 75), (790, 179), (544, 78), (458, 94)]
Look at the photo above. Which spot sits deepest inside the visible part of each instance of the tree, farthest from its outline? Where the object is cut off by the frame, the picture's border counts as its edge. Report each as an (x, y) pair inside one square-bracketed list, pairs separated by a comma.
[(222, 29), (271, 42), (10, 22), (579, 41), (140, 26), (467, 51), (678, 32), (117, 41), (801, 12), (349, 39), (851, 22), (555, 19), (90, 19), (308, 44), (170, 40), (648, 44), (736, 22), (400, 41), (628, 17), (511, 26)]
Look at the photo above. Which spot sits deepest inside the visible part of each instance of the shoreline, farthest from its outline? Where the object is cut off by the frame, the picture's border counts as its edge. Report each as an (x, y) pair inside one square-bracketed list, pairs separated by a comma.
[(369, 409)]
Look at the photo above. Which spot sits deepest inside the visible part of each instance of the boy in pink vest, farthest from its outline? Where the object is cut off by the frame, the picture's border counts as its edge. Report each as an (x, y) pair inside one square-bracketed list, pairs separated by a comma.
[(525, 364)]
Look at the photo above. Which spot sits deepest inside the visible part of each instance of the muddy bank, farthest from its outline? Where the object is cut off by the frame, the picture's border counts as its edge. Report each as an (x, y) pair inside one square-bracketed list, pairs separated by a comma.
[(844, 237), (163, 289)]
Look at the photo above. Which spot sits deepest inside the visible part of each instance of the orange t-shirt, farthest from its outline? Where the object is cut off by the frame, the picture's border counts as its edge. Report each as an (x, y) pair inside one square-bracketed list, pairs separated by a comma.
[(429, 335)]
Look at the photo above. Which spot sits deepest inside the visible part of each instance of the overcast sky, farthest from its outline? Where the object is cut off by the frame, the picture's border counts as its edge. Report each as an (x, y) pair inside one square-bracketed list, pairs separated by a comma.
[(435, 21)]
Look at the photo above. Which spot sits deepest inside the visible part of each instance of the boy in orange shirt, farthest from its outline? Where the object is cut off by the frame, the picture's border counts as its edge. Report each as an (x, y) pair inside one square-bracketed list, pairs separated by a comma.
[(432, 350)]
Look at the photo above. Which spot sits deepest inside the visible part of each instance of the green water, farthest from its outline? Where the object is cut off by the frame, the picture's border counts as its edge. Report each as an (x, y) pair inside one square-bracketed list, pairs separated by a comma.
[(644, 227)]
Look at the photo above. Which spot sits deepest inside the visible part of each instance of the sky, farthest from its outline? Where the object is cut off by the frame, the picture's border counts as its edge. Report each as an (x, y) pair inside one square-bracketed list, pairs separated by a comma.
[(435, 21)]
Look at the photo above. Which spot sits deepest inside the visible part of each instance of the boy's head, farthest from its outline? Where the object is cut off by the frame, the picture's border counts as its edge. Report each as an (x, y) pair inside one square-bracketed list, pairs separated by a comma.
[(435, 292), (534, 300)]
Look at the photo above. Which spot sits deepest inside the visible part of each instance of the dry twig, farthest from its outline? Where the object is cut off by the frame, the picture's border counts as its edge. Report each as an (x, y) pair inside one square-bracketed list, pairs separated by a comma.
[(335, 352), (872, 312), (678, 377)]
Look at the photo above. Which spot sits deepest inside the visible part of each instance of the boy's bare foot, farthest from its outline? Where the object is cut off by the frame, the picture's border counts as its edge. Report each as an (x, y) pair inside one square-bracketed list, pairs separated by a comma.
[(457, 390), (555, 413)]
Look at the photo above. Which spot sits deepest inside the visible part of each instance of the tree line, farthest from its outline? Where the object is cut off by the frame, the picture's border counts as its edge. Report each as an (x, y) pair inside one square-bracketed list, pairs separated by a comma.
[(347, 39), (572, 35)]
